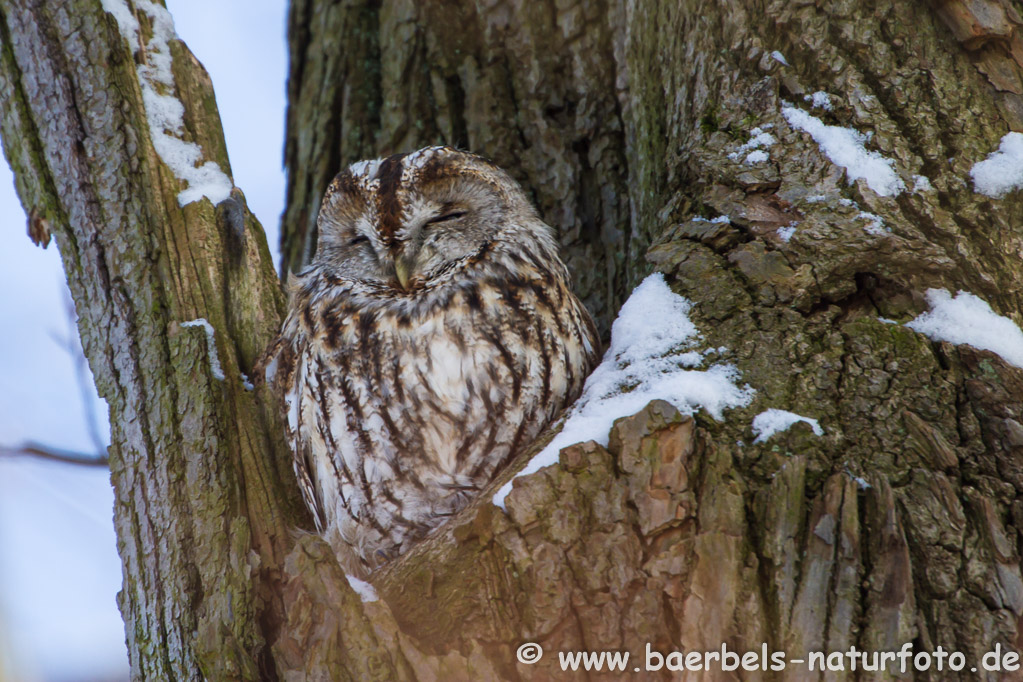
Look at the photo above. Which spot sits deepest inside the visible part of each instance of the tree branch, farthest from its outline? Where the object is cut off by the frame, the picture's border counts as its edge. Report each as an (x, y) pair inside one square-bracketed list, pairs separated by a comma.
[(42, 451)]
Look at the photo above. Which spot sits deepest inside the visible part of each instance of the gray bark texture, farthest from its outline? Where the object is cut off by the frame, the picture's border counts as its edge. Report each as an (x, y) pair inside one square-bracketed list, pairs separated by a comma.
[(625, 119)]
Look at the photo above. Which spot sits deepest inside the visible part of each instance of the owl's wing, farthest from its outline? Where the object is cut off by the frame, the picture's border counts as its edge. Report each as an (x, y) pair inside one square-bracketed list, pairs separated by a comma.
[(282, 368), (310, 493)]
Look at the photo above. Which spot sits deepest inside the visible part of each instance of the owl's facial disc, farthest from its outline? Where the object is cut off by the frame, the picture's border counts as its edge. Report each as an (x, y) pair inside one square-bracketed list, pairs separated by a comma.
[(419, 221)]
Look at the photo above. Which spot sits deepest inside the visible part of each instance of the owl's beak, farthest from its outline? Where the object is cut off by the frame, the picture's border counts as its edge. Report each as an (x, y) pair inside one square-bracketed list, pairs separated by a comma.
[(403, 271)]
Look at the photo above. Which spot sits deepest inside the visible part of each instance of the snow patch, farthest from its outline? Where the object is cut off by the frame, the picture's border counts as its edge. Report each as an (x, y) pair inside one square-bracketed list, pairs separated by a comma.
[(922, 183), (651, 353), (779, 57), (211, 346), (819, 100), (772, 421), (875, 225), (362, 588), (785, 233), (756, 156), (1002, 171), (845, 147), (754, 148), (127, 24), (165, 112), (861, 482), (967, 319)]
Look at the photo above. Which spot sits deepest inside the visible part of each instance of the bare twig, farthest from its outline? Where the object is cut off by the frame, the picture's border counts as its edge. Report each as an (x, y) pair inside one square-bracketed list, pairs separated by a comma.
[(69, 341), (73, 345), (33, 449)]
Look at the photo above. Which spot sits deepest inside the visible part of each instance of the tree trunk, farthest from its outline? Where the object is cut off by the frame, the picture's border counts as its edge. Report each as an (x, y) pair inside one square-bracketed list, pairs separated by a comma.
[(630, 124), (624, 120), (206, 503)]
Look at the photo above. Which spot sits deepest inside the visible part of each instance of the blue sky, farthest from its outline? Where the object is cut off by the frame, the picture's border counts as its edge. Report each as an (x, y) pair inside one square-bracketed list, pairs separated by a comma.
[(59, 571)]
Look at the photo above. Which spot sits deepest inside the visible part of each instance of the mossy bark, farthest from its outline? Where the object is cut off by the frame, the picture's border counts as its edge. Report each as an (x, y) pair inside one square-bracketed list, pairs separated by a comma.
[(900, 524)]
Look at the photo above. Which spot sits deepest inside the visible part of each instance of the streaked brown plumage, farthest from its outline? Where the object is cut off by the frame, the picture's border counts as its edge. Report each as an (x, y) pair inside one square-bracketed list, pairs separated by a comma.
[(433, 335)]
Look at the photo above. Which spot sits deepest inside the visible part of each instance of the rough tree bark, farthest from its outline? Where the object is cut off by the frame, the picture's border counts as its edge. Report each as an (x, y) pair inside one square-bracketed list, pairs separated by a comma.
[(200, 508), (620, 116)]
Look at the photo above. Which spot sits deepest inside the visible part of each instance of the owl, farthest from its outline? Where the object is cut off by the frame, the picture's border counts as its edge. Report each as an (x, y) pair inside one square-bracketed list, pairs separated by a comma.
[(433, 335)]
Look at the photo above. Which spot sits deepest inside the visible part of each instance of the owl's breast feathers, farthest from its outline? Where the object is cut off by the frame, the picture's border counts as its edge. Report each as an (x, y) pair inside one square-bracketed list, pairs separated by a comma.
[(401, 408)]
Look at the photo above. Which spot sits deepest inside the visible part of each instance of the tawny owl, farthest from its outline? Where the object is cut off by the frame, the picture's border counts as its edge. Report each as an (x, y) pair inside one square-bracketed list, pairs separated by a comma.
[(433, 335)]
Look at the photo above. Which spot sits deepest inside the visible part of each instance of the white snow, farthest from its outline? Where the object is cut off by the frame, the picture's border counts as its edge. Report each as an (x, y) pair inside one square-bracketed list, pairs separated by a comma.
[(755, 147), (246, 384), (362, 588), (779, 57), (1002, 171), (875, 224), (127, 24), (165, 112), (772, 421), (819, 100), (967, 319), (921, 183), (756, 156), (721, 219), (211, 346), (845, 147), (652, 350), (785, 233)]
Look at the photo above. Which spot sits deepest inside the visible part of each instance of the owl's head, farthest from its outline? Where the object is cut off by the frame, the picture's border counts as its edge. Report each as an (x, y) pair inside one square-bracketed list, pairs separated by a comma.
[(412, 220)]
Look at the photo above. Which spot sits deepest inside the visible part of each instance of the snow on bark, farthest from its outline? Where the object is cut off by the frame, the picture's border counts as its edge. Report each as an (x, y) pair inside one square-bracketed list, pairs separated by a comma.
[(968, 319), (845, 147), (652, 356), (165, 112)]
